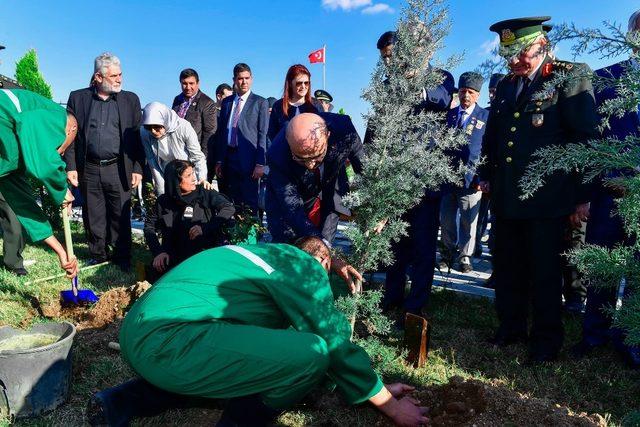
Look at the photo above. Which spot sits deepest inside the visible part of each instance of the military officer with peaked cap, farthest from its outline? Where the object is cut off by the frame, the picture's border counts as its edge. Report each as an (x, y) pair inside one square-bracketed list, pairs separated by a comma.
[(528, 233)]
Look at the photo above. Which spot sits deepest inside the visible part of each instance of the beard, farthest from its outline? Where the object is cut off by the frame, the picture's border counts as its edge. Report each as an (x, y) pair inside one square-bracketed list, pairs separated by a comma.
[(106, 87)]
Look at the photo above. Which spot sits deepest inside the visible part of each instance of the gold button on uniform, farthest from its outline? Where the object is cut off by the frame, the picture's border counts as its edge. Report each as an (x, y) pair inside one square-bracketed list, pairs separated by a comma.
[(509, 159), (513, 129), (510, 144), (516, 114)]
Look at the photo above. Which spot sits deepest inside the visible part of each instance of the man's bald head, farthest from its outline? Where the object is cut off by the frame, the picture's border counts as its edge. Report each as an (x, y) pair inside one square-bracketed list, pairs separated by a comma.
[(307, 136)]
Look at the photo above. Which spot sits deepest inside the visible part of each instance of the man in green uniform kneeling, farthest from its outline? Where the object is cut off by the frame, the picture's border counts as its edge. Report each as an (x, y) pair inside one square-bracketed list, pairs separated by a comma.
[(255, 324), (34, 133)]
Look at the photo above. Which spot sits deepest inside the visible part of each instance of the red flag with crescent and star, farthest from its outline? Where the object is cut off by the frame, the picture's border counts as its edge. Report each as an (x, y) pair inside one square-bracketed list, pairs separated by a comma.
[(317, 56)]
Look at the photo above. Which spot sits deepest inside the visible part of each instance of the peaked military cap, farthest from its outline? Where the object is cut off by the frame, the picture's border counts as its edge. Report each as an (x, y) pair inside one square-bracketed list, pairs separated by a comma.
[(495, 79), (471, 80), (322, 95), (520, 30)]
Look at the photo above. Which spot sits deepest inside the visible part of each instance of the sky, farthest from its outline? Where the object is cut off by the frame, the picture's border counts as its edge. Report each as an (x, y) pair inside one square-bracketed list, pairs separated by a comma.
[(156, 39)]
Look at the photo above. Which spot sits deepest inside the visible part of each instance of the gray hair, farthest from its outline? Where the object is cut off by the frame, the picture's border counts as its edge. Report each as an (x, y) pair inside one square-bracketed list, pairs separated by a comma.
[(104, 61), (633, 19)]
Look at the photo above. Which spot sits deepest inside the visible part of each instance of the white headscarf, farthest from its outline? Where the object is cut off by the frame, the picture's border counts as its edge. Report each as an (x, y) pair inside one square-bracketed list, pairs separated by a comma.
[(156, 113)]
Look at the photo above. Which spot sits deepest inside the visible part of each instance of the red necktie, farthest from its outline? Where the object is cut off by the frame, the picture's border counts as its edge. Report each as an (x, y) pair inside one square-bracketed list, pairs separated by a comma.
[(314, 214)]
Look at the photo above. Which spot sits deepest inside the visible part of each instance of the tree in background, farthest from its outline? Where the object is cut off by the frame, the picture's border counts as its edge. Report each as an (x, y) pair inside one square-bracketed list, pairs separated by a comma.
[(29, 76), (604, 159)]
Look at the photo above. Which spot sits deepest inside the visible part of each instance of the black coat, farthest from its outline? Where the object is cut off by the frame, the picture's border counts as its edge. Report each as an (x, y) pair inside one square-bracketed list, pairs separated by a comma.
[(131, 158), (211, 210), (516, 128), (202, 115)]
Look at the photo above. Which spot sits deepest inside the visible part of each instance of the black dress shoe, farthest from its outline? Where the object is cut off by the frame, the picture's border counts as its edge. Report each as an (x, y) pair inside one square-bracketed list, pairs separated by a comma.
[(465, 267), (503, 340), (20, 271)]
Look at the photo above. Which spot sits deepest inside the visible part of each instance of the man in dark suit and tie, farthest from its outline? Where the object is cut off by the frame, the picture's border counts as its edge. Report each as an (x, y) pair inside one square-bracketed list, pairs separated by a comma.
[(106, 159), (470, 118), (242, 141), (604, 226), (305, 159), (197, 108)]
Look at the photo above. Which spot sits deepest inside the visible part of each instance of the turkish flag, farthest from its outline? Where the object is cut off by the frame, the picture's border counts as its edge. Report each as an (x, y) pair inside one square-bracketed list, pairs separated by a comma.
[(317, 56)]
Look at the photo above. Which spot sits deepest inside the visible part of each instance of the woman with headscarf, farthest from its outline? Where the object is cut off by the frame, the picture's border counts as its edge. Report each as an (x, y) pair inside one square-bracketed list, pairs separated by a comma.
[(296, 99), (167, 137), (188, 216)]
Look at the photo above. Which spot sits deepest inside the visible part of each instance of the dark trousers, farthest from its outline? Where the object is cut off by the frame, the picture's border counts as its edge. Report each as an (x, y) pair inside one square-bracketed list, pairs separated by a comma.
[(573, 289), (483, 220), (12, 239), (527, 265), (106, 212), (604, 229), (238, 185), (418, 249)]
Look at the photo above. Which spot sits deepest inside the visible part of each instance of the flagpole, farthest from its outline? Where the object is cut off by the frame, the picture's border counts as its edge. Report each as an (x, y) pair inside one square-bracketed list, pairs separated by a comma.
[(324, 67)]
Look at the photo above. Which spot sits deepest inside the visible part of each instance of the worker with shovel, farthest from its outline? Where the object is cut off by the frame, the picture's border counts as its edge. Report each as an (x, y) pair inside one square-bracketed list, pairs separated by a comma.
[(254, 324), (34, 132)]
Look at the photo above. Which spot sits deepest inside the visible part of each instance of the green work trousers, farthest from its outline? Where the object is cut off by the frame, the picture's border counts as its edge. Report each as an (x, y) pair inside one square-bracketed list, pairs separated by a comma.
[(222, 360)]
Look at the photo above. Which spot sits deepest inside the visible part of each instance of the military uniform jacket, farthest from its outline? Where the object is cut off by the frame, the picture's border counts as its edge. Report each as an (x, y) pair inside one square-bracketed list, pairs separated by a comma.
[(516, 129)]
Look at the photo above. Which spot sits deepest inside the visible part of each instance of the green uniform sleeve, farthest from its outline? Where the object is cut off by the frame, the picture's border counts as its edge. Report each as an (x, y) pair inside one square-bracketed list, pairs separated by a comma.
[(306, 299), (19, 195), (40, 130)]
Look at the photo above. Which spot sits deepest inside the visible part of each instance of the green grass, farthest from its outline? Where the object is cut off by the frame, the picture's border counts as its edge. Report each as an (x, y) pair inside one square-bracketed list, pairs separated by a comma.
[(460, 325)]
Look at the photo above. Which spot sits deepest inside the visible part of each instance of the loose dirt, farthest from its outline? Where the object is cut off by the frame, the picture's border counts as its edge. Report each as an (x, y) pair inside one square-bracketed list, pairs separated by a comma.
[(112, 305), (474, 403)]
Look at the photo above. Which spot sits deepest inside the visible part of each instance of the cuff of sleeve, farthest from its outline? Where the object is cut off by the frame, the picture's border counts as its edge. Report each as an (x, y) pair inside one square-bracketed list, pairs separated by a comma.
[(374, 390)]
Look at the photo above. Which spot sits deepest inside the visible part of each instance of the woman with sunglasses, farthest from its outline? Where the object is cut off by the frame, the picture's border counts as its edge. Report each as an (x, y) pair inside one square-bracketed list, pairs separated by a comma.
[(296, 99), (166, 137)]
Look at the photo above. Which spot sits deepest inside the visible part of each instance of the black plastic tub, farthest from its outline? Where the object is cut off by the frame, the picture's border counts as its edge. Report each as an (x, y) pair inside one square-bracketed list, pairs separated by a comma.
[(35, 380)]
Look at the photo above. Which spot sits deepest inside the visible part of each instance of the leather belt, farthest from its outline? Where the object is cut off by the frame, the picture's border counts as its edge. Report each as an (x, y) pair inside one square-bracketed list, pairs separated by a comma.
[(103, 162)]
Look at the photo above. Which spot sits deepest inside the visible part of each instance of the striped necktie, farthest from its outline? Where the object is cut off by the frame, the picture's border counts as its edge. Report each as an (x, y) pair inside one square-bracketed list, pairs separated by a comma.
[(234, 125)]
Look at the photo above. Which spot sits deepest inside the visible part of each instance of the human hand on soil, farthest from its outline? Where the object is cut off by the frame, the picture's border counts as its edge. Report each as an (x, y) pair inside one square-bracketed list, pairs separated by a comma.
[(194, 232), (161, 261), (406, 413), (398, 390), (346, 272)]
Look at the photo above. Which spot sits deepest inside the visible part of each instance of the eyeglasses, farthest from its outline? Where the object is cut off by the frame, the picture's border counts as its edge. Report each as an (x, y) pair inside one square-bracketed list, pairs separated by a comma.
[(299, 84), (306, 160)]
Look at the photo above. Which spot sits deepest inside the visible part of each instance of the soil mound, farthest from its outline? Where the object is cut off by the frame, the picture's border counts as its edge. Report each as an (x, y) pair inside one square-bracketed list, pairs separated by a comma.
[(473, 403), (112, 305)]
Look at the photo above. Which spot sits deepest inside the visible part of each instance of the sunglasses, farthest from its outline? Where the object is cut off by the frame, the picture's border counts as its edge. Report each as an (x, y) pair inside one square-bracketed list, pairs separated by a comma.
[(300, 84)]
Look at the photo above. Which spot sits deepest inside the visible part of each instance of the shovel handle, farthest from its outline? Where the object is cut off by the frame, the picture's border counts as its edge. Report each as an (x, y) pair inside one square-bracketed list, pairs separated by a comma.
[(69, 246), (67, 232)]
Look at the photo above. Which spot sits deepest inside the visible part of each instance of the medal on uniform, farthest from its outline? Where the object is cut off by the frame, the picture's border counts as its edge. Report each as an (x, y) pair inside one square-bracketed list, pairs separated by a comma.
[(537, 120), (469, 129)]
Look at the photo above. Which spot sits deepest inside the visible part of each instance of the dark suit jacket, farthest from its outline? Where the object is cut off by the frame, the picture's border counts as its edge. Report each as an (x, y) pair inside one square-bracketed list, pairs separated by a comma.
[(517, 128), (202, 116), (438, 99), (253, 125), (131, 159), (475, 127), (292, 189)]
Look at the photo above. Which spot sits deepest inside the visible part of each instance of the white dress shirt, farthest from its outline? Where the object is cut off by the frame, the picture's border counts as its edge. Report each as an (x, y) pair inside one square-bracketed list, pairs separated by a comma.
[(233, 111)]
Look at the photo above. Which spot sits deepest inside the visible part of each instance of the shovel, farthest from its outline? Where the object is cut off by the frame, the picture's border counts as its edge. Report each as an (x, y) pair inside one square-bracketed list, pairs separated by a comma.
[(74, 296)]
